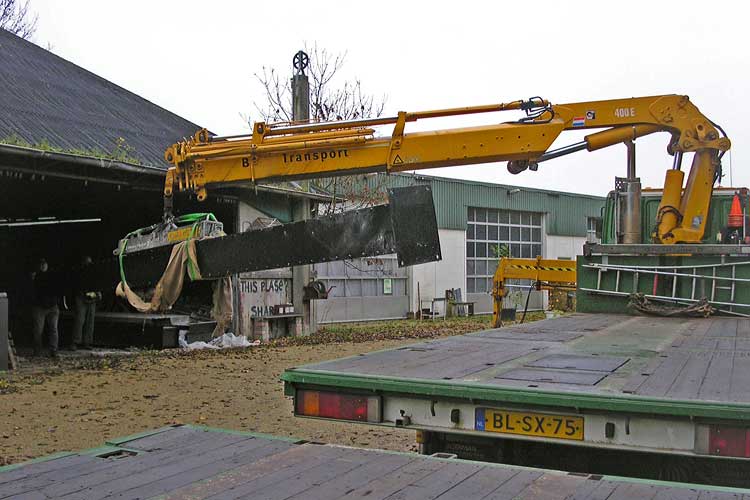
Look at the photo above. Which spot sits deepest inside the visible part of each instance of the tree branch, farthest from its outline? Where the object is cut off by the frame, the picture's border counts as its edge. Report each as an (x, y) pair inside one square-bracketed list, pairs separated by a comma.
[(330, 99), (15, 17)]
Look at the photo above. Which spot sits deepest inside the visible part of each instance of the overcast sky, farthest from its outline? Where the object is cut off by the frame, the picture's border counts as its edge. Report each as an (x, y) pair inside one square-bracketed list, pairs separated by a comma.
[(197, 59)]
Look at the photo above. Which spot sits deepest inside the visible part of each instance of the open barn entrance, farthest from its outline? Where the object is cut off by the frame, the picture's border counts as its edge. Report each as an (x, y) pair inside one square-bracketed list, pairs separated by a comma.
[(62, 218)]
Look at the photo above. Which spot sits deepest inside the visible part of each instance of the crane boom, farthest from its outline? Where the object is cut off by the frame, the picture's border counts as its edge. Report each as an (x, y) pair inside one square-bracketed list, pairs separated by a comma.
[(287, 152)]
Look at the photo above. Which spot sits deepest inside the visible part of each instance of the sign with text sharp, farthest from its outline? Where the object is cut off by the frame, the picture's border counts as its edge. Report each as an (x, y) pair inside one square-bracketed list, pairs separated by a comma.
[(259, 295)]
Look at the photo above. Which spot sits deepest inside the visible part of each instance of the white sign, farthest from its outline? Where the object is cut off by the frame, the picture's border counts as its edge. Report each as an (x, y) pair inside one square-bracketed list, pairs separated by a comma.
[(258, 296)]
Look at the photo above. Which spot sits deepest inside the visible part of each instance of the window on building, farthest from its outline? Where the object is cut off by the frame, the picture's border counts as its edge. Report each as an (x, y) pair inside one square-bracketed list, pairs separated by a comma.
[(491, 234), (592, 223)]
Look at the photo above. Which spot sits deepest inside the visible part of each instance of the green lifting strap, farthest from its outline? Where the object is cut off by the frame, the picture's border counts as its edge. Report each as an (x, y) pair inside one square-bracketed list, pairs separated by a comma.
[(195, 218)]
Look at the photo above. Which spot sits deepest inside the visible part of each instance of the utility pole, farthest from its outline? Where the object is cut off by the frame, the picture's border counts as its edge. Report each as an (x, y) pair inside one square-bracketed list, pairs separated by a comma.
[(301, 113), (300, 88)]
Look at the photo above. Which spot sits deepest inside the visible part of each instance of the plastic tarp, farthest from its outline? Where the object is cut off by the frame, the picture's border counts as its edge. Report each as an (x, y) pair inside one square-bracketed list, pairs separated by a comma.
[(182, 261), (225, 341)]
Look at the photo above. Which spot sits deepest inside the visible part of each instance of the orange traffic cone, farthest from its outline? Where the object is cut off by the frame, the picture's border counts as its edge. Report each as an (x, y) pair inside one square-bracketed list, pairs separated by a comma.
[(735, 213)]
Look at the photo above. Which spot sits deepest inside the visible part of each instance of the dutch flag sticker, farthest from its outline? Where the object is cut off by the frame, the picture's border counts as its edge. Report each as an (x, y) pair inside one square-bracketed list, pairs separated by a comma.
[(579, 121)]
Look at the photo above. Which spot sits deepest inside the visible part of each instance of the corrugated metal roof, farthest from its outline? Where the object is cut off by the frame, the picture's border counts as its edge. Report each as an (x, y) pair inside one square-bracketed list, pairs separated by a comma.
[(44, 98), (567, 213)]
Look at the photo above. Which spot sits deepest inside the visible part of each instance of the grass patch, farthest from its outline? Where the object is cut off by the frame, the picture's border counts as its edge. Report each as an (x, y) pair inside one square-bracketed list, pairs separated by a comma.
[(121, 150), (6, 387), (395, 330)]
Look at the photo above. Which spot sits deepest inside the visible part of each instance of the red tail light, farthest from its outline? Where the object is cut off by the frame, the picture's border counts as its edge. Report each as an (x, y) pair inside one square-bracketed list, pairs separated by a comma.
[(729, 441), (339, 406)]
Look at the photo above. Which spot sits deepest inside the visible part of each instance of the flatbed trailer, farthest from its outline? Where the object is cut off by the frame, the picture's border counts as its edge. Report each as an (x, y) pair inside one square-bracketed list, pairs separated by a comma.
[(199, 463), (665, 398)]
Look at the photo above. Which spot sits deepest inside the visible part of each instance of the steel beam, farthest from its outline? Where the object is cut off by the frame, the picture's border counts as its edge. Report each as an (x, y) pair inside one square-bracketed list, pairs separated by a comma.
[(407, 227)]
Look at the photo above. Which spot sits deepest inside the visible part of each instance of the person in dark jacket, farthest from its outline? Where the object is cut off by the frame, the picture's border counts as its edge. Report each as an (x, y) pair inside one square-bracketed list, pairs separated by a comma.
[(44, 310), (86, 297)]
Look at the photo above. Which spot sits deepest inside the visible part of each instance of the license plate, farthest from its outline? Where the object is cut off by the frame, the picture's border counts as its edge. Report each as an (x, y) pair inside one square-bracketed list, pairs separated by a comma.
[(529, 424)]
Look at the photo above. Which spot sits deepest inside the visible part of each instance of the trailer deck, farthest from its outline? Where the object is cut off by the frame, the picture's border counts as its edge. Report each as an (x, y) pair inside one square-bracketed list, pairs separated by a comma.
[(637, 383), (197, 463), (684, 362)]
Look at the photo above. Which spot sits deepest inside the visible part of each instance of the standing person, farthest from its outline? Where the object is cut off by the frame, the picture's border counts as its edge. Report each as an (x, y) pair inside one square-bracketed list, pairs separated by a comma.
[(44, 310), (86, 297)]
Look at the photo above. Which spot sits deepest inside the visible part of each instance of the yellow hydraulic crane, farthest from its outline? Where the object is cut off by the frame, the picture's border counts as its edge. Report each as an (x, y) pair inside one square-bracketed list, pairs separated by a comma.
[(546, 274), (298, 151), (275, 152)]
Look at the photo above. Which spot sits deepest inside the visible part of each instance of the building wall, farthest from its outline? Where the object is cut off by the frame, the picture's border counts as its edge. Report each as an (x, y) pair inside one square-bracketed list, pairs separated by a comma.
[(561, 247), (552, 223), (425, 282), (246, 215), (565, 213), (257, 292), (538, 301), (434, 278)]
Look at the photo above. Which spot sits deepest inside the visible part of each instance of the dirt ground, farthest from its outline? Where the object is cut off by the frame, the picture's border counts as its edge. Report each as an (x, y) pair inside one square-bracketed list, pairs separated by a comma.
[(77, 405)]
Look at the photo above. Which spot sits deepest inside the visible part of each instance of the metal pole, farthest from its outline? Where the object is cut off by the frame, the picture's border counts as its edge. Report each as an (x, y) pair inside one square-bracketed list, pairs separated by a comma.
[(565, 150), (631, 159), (631, 217), (301, 275), (677, 162)]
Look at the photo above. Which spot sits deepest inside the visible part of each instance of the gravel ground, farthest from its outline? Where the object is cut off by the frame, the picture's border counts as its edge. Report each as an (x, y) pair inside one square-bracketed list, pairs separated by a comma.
[(73, 405)]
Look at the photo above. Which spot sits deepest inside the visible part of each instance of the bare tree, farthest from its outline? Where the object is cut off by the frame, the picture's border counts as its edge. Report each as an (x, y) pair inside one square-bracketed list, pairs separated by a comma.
[(331, 98), (16, 18)]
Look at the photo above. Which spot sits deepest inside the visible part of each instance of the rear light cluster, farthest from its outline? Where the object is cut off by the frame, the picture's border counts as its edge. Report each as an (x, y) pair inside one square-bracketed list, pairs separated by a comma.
[(729, 441), (338, 406)]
